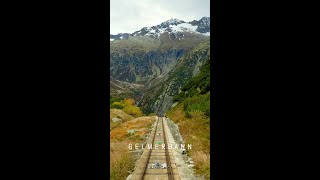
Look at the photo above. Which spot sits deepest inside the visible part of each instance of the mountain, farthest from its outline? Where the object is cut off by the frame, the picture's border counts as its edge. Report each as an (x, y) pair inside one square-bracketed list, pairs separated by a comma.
[(171, 26), (152, 64), (192, 111), (159, 96)]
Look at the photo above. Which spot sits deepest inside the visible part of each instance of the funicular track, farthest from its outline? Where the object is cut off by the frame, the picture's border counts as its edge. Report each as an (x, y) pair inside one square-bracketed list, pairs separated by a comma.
[(156, 163)]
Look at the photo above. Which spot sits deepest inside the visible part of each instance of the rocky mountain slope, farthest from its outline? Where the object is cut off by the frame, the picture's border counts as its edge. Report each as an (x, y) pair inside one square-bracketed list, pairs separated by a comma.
[(152, 64), (159, 97), (172, 26)]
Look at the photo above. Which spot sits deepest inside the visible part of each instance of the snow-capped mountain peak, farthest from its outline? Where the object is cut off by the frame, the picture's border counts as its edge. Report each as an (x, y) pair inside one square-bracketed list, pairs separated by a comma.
[(170, 26), (172, 21)]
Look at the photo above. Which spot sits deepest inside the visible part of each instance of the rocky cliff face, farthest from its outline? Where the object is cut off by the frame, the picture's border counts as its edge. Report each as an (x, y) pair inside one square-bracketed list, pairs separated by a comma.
[(153, 63), (159, 96), (143, 67)]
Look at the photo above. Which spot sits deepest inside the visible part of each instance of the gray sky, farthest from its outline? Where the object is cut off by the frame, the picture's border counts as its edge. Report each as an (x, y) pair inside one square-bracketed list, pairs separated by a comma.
[(128, 16)]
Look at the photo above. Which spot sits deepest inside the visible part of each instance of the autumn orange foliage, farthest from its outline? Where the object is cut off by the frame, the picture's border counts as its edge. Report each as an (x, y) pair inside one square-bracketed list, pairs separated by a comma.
[(129, 101), (128, 106)]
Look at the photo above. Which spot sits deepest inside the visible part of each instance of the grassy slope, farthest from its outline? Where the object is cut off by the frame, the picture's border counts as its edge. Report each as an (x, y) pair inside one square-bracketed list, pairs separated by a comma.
[(146, 44), (193, 115), (141, 126), (121, 160), (118, 113), (196, 131)]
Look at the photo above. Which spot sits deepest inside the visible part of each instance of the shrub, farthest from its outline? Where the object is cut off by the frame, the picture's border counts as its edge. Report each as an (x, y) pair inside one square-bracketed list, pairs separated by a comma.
[(117, 105), (133, 110), (179, 97), (197, 103), (129, 101), (128, 106), (199, 84), (196, 131), (115, 99)]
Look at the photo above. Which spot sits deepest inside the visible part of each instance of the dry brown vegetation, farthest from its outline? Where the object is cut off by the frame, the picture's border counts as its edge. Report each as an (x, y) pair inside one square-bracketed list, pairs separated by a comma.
[(140, 125), (196, 131), (121, 160), (118, 113)]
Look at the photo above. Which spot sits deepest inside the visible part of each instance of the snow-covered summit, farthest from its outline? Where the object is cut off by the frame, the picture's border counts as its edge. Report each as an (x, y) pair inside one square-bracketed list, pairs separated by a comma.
[(170, 26), (172, 21)]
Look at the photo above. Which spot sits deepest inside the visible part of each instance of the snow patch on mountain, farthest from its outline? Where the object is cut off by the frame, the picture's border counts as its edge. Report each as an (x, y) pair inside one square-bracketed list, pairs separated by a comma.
[(183, 27), (170, 26), (207, 34)]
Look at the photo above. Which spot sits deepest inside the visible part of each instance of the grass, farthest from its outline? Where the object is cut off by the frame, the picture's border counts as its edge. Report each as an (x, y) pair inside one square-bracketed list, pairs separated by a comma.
[(121, 159), (141, 126), (118, 113), (146, 44), (134, 44), (193, 111), (196, 131)]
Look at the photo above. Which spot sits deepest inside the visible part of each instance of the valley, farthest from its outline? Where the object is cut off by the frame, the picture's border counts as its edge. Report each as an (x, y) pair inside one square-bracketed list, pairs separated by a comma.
[(152, 64), (162, 70)]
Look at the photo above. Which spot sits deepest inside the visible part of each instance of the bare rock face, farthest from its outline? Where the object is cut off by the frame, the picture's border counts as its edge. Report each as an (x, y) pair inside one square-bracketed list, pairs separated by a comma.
[(142, 67), (131, 132), (116, 119), (174, 128)]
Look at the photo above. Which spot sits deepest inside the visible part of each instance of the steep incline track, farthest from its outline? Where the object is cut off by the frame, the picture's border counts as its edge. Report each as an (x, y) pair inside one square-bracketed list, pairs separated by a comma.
[(156, 163)]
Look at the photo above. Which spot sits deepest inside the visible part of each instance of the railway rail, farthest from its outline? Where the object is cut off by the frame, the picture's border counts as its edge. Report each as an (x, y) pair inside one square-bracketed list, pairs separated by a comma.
[(157, 163)]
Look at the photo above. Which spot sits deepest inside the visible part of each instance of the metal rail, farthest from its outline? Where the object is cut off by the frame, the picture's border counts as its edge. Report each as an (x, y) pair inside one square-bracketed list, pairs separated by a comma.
[(168, 162), (169, 168), (148, 158)]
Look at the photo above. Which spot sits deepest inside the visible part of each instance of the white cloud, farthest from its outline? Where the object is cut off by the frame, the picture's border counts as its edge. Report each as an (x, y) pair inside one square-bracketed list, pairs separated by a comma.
[(128, 16)]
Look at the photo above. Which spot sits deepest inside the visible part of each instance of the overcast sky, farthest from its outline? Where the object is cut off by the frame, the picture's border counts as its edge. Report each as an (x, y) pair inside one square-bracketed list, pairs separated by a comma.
[(128, 16)]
